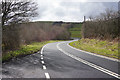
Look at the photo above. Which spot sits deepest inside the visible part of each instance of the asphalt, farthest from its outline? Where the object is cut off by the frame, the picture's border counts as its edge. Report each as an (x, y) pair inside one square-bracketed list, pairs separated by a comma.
[(58, 64)]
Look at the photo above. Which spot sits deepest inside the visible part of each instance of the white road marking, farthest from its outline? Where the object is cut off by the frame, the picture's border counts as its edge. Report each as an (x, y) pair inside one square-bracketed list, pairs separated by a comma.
[(42, 49), (42, 62), (42, 58), (47, 75), (90, 64), (94, 54), (41, 55), (44, 67)]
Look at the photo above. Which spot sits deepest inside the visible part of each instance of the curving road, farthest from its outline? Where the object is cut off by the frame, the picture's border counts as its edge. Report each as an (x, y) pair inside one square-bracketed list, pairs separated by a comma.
[(59, 60)]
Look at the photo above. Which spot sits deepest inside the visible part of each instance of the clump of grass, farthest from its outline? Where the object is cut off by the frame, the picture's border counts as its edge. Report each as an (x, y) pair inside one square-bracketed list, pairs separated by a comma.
[(105, 48), (25, 50)]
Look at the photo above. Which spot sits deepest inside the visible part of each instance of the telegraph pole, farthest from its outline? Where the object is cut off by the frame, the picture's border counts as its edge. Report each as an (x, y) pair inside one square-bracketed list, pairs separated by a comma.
[(84, 19), (83, 28)]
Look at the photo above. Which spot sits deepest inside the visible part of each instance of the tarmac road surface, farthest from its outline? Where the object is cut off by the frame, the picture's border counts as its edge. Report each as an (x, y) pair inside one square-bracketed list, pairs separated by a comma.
[(59, 60)]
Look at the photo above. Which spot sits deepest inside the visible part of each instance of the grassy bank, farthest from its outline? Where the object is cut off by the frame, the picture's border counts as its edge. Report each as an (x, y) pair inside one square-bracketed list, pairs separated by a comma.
[(76, 31), (106, 48), (25, 50)]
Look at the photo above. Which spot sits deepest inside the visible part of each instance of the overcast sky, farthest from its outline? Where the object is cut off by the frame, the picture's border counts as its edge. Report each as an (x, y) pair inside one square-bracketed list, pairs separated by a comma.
[(72, 10)]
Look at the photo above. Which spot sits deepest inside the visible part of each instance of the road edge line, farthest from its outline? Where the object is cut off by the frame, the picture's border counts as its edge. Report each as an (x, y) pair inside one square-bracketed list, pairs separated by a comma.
[(42, 49), (90, 64), (44, 67), (101, 56)]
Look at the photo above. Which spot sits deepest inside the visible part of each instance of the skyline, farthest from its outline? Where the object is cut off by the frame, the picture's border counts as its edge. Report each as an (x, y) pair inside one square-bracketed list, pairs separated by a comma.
[(67, 11)]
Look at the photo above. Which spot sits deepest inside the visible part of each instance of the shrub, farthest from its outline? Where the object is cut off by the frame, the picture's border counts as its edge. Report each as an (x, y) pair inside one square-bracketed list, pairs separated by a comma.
[(103, 27), (16, 35)]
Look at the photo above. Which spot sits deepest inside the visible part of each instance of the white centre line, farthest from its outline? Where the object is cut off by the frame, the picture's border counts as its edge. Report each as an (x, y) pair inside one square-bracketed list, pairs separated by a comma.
[(47, 75), (44, 67), (41, 55), (42, 49), (42, 62), (89, 63)]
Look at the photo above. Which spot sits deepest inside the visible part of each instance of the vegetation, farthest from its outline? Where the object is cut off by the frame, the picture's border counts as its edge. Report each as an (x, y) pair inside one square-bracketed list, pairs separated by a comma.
[(16, 35), (101, 47), (104, 27), (18, 31), (75, 30), (32, 35), (25, 50), (100, 34), (14, 12)]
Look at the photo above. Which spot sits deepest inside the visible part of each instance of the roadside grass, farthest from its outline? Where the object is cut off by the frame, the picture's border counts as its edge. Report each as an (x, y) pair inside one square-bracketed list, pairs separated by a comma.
[(25, 50), (76, 31), (106, 48)]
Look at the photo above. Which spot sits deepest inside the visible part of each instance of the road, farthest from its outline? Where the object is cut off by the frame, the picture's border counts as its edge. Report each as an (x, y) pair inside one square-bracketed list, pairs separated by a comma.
[(59, 60)]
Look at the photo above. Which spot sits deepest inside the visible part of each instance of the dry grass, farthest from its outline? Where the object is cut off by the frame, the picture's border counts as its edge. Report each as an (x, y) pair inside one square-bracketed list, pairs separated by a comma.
[(101, 47)]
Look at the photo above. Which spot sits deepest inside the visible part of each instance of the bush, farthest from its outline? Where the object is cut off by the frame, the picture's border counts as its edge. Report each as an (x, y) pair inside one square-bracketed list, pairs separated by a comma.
[(102, 27), (10, 37), (16, 35)]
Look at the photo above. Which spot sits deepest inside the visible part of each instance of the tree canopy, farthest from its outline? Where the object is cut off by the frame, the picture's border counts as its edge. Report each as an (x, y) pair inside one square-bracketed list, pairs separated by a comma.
[(17, 11)]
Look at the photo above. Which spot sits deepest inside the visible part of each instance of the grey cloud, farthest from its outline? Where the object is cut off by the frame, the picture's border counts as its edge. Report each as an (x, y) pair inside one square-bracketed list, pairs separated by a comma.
[(60, 13), (71, 11)]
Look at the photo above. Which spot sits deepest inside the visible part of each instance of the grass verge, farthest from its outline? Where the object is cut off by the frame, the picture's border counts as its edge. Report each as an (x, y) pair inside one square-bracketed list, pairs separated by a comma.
[(106, 48), (25, 50)]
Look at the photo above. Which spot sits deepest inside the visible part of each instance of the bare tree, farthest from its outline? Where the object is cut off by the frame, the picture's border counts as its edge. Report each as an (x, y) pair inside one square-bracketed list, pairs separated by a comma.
[(17, 11), (103, 26)]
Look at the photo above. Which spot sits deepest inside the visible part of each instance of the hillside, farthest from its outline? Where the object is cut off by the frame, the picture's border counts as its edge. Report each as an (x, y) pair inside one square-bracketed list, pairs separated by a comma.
[(75, 30)]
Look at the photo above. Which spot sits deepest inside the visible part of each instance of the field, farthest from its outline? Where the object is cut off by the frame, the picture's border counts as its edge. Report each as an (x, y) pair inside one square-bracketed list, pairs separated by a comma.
[(105, 48), (76, 31)]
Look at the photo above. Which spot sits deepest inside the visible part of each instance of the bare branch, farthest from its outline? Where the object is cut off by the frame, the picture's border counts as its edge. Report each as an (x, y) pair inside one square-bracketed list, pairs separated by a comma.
[(15, 12)]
